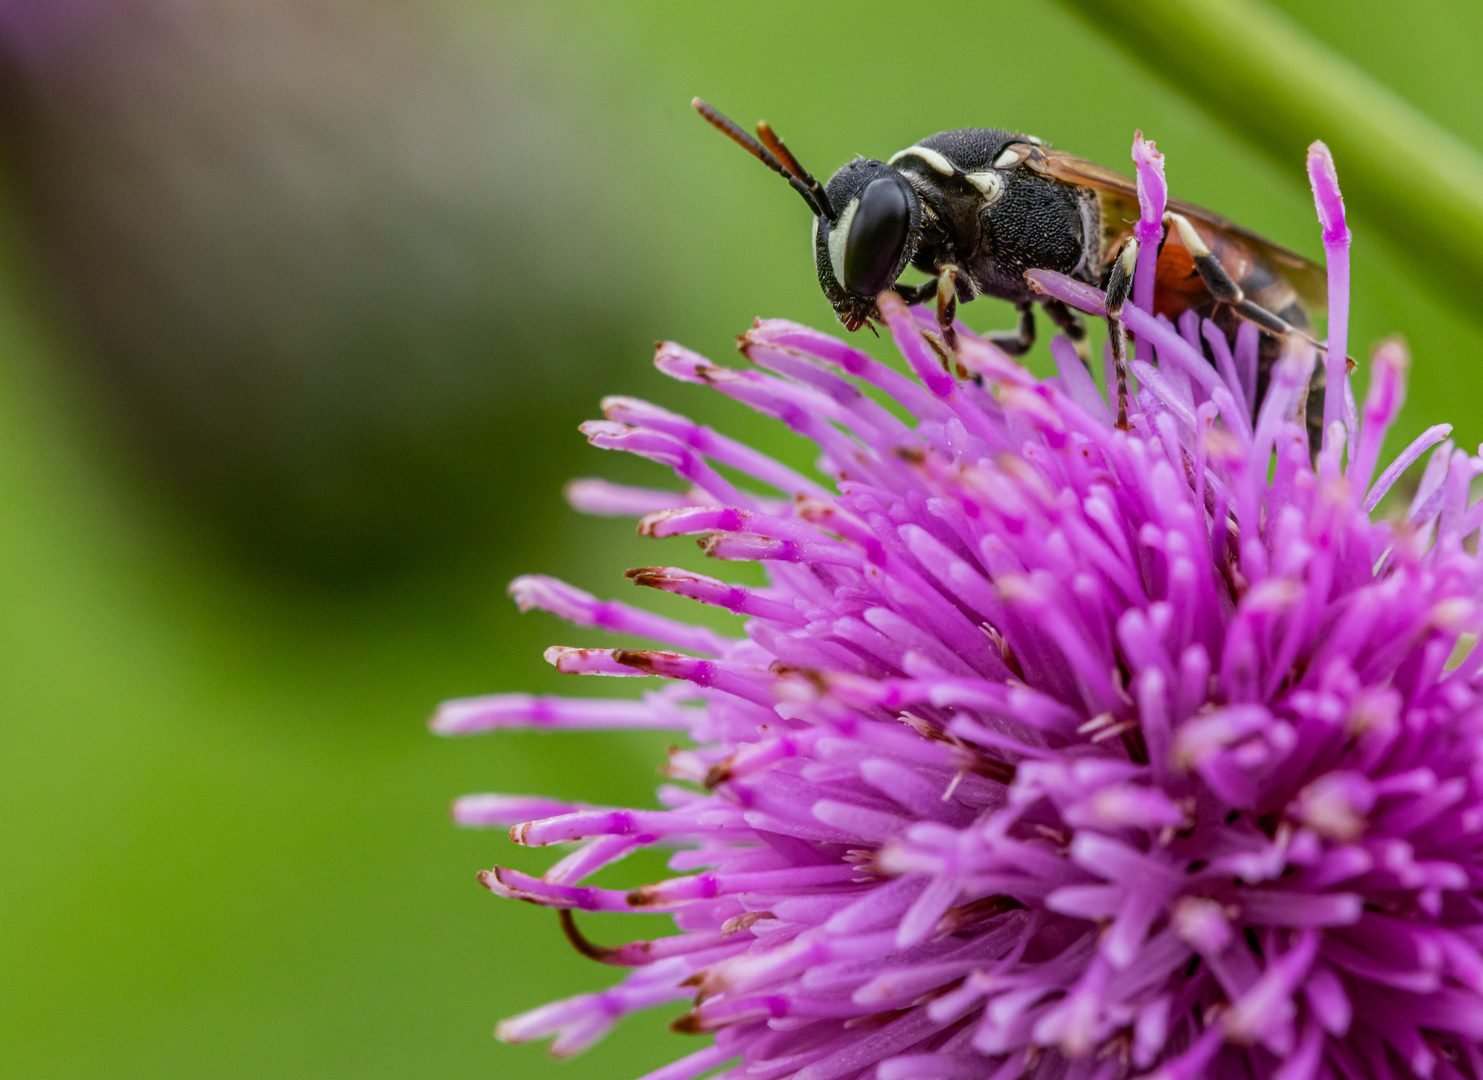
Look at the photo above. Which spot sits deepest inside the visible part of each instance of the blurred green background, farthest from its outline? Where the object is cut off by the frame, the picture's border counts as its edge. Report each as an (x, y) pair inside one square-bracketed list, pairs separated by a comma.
[(300, 303)]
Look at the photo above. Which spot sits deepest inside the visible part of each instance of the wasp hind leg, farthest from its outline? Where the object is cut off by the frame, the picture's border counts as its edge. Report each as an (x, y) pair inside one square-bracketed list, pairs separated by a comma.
[(1119, 285), (1225, 291)]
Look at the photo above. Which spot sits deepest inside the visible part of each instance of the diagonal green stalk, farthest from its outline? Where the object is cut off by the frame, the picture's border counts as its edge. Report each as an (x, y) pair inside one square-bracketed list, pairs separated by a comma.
[(1254, 70)]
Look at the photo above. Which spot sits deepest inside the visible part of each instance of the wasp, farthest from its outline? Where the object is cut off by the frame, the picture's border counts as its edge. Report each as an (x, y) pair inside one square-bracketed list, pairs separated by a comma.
[(977, 207)]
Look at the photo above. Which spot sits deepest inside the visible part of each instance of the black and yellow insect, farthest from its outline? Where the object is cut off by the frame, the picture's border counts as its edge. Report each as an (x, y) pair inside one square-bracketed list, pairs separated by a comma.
[(977, 207)]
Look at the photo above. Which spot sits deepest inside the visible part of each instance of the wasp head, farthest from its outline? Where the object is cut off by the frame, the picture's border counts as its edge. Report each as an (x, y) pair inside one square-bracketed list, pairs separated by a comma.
[(864, 248), (866, 220)]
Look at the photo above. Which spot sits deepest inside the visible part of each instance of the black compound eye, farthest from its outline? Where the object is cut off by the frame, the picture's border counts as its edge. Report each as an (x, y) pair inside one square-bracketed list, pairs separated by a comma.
[(877, 237)]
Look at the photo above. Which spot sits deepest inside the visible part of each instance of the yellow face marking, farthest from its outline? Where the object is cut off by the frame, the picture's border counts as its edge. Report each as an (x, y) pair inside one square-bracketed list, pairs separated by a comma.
[(839, 235)]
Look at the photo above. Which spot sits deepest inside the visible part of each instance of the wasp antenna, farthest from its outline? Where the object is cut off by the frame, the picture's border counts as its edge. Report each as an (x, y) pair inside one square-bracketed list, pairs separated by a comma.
[(774, 142), (728, 128)]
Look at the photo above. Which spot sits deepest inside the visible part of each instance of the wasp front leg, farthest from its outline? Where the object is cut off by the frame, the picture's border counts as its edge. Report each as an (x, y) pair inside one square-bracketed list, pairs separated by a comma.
[(1119, 285), (912, 295), (947, 305), (944, 289)]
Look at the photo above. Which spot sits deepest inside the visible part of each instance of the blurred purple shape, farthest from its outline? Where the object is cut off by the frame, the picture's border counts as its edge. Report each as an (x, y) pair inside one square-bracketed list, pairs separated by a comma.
[(314, 258)]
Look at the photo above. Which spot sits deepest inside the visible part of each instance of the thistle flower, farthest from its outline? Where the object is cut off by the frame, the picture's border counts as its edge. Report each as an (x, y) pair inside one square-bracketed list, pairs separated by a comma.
[(1051, 750)]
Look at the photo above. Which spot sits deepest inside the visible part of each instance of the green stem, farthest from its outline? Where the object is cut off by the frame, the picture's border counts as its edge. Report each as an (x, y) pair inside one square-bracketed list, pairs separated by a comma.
[(1254, 70)]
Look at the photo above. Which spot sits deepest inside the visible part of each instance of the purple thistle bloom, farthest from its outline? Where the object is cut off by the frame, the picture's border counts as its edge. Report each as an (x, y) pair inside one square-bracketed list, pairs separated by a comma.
[(1051, 750)]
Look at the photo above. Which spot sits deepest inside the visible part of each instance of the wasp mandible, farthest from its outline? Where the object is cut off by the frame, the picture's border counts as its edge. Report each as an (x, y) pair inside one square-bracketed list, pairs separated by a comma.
[(977, 207)]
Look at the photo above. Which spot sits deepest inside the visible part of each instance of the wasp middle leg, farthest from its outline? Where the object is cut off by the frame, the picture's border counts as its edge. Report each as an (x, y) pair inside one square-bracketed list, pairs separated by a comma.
[(1069, 323), (1018, 341), (1119, 286)]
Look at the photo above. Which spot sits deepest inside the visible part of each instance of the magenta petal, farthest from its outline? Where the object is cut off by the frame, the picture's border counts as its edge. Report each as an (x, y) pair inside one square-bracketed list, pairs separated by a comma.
[(1153, 195), (1326, 195)]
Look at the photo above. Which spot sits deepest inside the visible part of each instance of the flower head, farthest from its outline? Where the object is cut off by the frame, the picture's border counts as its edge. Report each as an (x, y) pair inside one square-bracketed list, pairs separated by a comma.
[(1051, 750)]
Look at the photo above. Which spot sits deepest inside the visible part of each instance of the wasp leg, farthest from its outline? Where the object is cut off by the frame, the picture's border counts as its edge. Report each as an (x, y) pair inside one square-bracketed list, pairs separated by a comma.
[(1070, 324), (917, 294), (1018, 341), (1119, 285), (1225, 291), (947, 305)]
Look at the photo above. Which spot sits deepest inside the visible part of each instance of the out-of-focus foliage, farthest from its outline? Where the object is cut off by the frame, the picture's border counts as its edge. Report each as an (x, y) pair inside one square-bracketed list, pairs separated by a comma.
[(227, 851)]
